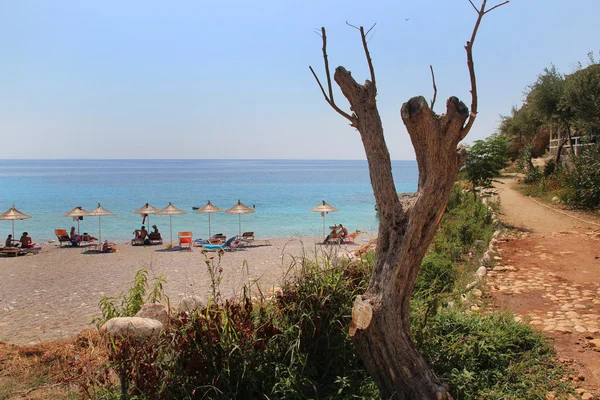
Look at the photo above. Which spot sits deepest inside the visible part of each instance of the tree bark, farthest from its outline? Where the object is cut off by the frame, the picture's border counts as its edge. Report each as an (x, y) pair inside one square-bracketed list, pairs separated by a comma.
[(381, 325)]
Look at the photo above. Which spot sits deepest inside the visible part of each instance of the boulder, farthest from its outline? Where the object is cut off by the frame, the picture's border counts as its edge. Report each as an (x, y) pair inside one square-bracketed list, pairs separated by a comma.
[(158, 312), (133, 327), (481, 272), (190, 303), (595, 343)]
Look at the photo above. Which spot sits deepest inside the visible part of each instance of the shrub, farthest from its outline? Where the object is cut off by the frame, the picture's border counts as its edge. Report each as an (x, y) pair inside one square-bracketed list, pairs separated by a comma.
[(437, 276), (490, 356), (580, 179)]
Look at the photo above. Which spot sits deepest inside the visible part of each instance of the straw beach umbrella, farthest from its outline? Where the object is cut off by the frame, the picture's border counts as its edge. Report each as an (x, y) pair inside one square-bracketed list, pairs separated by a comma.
[(13, 214), (171, 210), (76, 213), (239, 209), (324, 208), (146, 210), (100, 212), (209, 208)]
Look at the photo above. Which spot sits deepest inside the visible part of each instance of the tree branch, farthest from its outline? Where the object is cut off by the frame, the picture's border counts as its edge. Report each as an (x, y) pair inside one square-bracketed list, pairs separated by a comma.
[(469, 48), (434, 87), (475, 8), (368, 55), (329, 98), (496, 6)]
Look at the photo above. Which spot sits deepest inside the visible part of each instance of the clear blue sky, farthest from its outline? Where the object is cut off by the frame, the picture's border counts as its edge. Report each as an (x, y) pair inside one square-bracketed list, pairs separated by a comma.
[(230, 79)]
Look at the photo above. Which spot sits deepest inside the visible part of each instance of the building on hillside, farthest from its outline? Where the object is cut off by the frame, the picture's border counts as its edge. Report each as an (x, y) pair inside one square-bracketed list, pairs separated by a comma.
[(578, 141)]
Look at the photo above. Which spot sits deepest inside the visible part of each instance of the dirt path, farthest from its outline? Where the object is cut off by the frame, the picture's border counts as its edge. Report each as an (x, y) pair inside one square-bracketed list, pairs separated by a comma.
[(549, 275)]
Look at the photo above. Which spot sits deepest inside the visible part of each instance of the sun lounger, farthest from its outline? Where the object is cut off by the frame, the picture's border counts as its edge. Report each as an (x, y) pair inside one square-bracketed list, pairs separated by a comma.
[(231, 244), (246, 237), (62, 236), (10, 251), (155, 238), (185, 240), (350, 238)]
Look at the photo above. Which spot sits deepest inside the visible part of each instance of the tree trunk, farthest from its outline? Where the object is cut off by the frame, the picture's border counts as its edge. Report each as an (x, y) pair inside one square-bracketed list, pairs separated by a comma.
[(380, 318)]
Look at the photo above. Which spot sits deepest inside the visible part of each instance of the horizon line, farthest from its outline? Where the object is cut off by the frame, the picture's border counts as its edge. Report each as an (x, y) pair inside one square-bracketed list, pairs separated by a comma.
[(193, 159)]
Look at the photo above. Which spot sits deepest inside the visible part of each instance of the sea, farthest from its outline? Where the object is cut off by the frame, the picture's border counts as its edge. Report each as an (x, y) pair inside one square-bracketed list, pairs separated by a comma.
[(281, 192)]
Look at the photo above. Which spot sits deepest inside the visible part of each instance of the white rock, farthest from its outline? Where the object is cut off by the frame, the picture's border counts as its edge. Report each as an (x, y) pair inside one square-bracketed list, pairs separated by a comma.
[(481, 272), (133, 326), (190, 303), (158, 312)]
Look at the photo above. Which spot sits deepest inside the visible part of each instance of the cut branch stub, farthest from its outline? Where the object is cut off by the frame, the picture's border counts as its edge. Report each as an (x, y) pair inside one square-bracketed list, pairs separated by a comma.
[(362, 313)]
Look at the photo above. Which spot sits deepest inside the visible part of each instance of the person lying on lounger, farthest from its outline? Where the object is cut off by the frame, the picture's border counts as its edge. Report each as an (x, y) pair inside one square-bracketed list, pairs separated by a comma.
[(75, 238)]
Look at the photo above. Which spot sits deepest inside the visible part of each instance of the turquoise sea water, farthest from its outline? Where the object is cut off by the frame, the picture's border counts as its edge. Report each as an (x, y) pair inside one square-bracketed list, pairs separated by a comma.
[(282, 191)]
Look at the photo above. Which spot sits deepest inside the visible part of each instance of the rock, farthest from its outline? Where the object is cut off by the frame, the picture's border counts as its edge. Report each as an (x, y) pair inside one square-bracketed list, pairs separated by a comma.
[(133, 326), (587, 396), (481, 272), (550, 395), (555, 200), (158, 312), (595, 343), (190, 303), (477, 293)]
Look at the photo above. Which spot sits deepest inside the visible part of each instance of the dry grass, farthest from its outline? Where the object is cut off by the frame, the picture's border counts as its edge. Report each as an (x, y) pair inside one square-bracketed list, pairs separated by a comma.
[(59, 369)]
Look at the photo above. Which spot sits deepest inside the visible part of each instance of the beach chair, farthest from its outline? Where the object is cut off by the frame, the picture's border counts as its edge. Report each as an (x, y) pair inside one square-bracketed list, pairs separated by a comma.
[(62, 236), (230, 244), (246, 237), (155, 238), (334, 238), (350, 238), (137, 238), (185, 240)]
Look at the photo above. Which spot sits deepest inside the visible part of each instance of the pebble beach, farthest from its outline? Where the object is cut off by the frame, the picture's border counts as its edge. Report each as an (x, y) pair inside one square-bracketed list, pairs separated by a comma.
[(55, 293)]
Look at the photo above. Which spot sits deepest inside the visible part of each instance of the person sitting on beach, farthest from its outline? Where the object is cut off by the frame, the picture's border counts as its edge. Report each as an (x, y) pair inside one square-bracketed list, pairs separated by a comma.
[(75, 238), (9, 242), (155, 234), (332, 235), (344, 232), (26, 242)]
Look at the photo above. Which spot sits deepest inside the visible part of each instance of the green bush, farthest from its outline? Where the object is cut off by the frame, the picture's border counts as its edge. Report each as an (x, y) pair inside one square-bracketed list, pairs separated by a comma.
[(580, 179), (437, 276), (490, 356)]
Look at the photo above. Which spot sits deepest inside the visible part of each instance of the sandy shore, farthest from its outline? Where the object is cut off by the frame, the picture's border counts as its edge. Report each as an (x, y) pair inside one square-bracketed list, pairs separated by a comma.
[(55, 293)]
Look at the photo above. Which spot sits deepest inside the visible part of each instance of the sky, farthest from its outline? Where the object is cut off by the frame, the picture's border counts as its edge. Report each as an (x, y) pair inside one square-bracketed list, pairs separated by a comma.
[(230, 79)]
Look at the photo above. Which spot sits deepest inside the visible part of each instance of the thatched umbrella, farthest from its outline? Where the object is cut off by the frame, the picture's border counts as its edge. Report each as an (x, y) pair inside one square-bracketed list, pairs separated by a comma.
[(146, 210), (100, 212), (76, 213), (13, 214), (209, 208), (171, 210), (240, 209), (324, 208)]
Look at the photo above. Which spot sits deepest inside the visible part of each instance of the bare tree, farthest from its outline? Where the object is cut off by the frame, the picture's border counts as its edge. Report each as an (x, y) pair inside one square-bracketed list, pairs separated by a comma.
[(380, 317)]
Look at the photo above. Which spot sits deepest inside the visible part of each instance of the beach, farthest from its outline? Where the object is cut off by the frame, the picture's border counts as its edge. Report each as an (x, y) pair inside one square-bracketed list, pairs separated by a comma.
[(55, 293)]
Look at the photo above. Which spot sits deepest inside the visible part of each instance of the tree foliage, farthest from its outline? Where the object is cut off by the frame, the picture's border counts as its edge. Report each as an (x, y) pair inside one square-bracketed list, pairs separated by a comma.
[(559, 102), (485, 159)]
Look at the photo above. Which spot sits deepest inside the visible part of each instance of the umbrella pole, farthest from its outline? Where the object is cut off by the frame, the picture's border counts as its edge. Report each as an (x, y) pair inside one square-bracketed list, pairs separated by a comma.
[(171, 227), (78, 226), (324, 227), (240, 222), (99, 228), (209, 225), (13, 226)]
